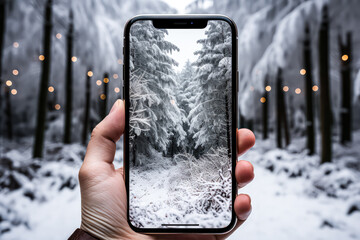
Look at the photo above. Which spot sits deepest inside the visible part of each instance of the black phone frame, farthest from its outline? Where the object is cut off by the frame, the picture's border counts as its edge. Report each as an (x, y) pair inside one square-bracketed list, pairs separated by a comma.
[(165, 20)]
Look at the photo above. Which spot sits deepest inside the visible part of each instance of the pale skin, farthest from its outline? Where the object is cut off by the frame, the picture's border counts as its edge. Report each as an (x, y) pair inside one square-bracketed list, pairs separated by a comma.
[(103, 193)]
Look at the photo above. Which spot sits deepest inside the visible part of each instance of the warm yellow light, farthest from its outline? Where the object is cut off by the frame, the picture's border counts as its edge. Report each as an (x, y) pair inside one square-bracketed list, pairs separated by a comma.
[(98, 82), (41, 57), (14, 91), (315, 88), (302, 71), (51, 89), (117, 90), (120, 61), (102, 96), (15, 72), (115, 76), (90, 73), (262, 100), (57, 106), (58, 35), (106, 80), (74, 59), (15, 44), (251, 88), (268, 88), (344, 57), (298, 91), (172, 101), (286, 88), (8, 83)]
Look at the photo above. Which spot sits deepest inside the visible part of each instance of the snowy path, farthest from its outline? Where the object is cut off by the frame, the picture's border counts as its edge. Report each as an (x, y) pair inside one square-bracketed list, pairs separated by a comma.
[(281, 210)]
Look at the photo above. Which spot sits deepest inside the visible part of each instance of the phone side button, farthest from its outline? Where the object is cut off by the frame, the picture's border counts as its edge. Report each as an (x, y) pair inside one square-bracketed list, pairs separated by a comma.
[(237, 81)]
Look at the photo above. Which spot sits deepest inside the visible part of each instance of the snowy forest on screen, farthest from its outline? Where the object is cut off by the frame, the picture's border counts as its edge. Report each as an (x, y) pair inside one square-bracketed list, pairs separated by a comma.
[(180, 123)]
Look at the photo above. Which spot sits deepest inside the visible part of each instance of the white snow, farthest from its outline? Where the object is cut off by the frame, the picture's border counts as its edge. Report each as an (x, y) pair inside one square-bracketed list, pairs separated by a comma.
[(284, 207)]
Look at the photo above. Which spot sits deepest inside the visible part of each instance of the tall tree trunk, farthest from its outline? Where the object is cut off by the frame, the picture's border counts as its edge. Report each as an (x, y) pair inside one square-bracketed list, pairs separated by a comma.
[(2, 40), (103, 108), (285, 117), (325, 104), (310, 143), (265, 110), (69, 81), (86, 110), (279, 110), (346, 108), (45, 74), (9, 125), (227, 116)]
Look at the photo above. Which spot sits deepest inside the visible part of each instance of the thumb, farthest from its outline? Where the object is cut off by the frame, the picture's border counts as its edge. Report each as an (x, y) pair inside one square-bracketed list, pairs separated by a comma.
[(102, 145)]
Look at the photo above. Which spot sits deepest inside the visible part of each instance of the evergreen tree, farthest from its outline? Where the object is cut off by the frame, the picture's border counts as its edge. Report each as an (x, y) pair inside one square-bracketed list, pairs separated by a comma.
[(211, 114), (152, 85)]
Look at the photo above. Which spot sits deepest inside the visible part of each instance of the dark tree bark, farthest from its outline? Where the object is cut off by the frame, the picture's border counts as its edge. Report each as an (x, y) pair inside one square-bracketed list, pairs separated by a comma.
[(2, 38), (69, 81), (103, 105), (325, 104), (265, 110), (346, 86), (285, 117), (310, 132), (86, 110), (9, 122), (278, 110), (45, 73)]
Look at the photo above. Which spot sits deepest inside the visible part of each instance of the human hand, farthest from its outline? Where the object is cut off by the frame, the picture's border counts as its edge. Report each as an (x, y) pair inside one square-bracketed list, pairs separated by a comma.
[(103, 192)]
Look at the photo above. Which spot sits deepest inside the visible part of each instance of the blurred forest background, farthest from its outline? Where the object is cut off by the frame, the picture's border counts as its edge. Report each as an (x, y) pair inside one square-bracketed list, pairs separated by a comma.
[(299, 90)]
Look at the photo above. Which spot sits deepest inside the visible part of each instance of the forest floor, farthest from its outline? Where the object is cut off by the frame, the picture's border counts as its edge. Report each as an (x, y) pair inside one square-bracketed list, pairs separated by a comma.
[(292, 196)]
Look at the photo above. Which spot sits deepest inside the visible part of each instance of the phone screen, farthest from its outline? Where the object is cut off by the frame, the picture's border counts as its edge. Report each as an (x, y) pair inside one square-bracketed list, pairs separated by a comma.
[(180, 126)]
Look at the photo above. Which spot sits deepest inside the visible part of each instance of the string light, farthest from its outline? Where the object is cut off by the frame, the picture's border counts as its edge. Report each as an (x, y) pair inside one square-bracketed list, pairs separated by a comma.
[(57, 106), (116, 76), (15, 72), (74, 59), (298, 91), (51, 89), (344, 57), (285, 88), (172, 101), (117, 90), (302, 71), (8, 83), (268, 88), (102, 96), (58, 35), (41, 57), (315, 88), (98, 82), (90, 73), (106, 80), (14, 91), (120, 61), (15, 44), (263, 100)]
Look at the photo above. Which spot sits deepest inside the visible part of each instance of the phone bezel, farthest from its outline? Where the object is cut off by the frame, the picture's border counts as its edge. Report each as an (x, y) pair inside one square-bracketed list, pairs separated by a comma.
[(234, 82)]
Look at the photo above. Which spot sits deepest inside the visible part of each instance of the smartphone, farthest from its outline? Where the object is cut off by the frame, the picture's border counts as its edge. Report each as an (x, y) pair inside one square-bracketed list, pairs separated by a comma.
[(180, 91)]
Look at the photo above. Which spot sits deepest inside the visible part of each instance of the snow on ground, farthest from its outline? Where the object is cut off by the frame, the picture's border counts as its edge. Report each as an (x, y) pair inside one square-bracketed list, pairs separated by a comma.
[(186, 191), (322, 202)]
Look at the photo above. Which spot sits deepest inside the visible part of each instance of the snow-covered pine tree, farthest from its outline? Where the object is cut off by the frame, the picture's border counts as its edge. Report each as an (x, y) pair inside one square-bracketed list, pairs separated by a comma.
[(210, 116), (152, 92)]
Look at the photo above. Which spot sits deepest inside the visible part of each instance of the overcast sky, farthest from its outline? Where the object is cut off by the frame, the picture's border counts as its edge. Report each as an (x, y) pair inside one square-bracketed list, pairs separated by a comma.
[(185, 40)]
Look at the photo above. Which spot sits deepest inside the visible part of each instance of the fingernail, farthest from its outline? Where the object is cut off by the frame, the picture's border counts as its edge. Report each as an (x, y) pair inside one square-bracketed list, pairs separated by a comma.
[(245, 216), (115, 106)]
